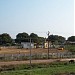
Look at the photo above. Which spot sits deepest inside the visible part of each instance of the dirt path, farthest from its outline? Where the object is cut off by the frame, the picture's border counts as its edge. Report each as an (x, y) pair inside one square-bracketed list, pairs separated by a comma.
[(26, 62), (33, 61)]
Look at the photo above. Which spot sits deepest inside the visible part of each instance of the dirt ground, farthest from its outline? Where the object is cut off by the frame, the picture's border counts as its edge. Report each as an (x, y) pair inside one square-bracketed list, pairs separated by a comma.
[(27, 51), (33, 61)]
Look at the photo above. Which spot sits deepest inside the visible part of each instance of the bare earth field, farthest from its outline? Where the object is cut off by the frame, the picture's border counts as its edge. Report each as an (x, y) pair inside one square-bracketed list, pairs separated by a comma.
[(27, 51)]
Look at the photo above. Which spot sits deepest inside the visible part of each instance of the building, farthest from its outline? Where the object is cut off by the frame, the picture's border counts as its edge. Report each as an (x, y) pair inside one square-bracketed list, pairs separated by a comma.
[(27, 45), (46, 44)]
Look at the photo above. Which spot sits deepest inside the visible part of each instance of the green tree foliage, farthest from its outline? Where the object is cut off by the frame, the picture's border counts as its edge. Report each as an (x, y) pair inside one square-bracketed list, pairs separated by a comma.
[(61, 39), (22, 37), (5, 39), (56, 38), (34, 37), (71, 38), (41, 40)]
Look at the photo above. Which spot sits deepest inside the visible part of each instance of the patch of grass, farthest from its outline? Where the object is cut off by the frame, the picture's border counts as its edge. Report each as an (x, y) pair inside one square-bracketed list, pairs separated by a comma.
[(41, 69)]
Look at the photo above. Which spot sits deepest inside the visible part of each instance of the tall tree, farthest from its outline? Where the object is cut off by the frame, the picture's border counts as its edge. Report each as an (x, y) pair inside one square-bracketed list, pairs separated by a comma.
[(61, 39), (22, 37), (56, 38), (34, 37), (71, 38), (41, 40), (5, 38)]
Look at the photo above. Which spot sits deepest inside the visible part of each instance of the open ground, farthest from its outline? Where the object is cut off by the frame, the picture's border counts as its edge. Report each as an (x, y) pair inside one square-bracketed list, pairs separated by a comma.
[(27, 52)]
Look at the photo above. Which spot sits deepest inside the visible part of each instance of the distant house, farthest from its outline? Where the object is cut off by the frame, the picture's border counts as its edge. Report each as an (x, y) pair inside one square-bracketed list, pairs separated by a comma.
[(27, 45), (46, 44)]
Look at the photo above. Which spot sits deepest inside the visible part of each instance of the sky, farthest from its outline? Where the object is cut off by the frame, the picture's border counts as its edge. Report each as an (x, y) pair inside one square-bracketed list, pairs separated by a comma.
[(37, 16)]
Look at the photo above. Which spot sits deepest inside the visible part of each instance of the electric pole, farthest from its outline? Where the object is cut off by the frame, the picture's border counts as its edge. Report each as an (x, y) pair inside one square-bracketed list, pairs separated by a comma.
[(30, 52), (48, 43)]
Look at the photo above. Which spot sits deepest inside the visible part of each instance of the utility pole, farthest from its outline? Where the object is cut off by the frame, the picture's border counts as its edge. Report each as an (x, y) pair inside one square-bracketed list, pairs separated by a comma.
[(48, 43), (30, 52)]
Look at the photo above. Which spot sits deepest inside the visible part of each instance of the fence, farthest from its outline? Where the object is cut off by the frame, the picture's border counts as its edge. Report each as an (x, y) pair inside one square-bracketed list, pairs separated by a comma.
[(22, 56)]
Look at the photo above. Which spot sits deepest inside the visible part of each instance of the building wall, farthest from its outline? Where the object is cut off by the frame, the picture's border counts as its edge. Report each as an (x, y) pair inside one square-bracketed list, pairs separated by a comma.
[(27, 45), (46, 45)]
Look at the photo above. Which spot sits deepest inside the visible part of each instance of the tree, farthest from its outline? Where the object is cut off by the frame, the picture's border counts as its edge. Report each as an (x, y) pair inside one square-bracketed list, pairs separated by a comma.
[(5, 39), (0, 40), (22, 37), (41, 40), (61, 39), (71, 38), (34, 37), (52, 38), (56, 39)]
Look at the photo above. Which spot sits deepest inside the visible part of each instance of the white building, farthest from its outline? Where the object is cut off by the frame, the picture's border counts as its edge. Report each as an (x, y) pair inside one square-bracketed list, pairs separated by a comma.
[(27, 45)]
